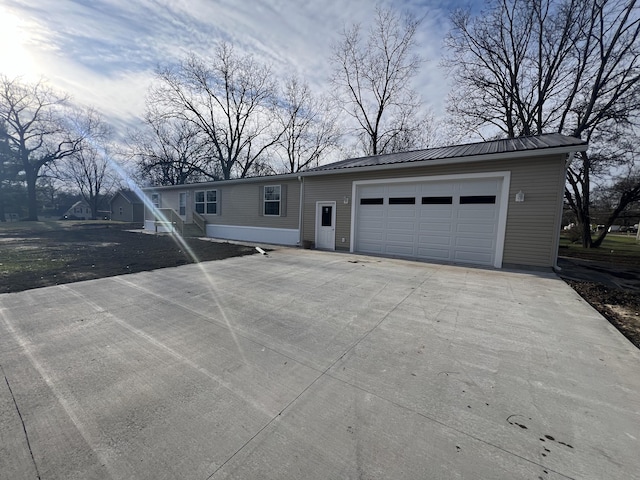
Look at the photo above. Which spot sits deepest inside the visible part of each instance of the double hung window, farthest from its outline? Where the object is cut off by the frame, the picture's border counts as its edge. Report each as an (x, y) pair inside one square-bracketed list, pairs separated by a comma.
[(206, 201), (272, 196)]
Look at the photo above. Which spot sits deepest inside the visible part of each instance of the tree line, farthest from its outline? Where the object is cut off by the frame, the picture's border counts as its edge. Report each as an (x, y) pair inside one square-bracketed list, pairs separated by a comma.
[(518, 67)]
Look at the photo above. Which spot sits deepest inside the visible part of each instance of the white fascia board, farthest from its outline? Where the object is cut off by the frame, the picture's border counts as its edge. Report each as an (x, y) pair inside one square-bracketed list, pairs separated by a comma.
[(233, 181)]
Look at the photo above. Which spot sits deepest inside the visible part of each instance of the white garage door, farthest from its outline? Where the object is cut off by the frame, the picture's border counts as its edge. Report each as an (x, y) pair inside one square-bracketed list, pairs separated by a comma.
[(453, 221)]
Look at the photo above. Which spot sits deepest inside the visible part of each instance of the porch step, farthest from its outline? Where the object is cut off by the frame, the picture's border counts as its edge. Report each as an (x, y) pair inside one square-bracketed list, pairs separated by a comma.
[(192, 230)]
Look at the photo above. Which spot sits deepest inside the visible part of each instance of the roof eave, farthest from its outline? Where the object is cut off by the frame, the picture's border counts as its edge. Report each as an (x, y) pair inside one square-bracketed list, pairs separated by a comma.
[(266, 178), (455, 160)]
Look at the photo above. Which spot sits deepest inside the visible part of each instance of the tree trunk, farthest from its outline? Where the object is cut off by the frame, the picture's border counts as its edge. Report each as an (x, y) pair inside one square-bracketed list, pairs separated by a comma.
[(585, 222), (32, 201), (585, 231)]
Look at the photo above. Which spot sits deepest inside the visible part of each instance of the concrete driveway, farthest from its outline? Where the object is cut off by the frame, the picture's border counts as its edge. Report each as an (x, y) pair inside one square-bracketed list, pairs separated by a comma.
[(311, 365)]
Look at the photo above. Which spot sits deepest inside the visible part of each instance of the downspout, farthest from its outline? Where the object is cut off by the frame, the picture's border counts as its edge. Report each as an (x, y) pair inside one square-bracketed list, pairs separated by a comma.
[(556, 243), (300, 212)]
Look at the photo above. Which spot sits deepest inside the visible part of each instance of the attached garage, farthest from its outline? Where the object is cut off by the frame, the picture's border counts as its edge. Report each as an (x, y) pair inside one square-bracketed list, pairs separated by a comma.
[(454, 219), (494, 204)]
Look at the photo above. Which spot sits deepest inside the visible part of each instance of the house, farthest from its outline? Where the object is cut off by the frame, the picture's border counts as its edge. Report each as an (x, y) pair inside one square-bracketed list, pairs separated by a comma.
[(78, 211), (127, 206), (496, 203)]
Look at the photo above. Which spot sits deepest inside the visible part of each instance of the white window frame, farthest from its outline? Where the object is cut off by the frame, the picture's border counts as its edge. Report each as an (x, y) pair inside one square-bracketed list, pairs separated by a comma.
[(266, 200), (155, 200), (206, 203)]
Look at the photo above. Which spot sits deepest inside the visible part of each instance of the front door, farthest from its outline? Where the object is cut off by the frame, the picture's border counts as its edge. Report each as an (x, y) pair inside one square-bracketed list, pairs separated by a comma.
[(326, 225)]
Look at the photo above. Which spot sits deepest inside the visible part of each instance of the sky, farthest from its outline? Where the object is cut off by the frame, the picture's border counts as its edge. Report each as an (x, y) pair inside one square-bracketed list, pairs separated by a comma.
[(104, 52)]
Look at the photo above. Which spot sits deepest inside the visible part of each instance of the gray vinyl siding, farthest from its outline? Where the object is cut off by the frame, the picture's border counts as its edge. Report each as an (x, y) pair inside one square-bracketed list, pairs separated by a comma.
[(116, 204), (532, 226), (238, 203), (131, 212), (331, 188)]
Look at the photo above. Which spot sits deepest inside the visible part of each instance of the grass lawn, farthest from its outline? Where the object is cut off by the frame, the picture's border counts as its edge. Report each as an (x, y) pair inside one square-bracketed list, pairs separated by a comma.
[(618, 249)]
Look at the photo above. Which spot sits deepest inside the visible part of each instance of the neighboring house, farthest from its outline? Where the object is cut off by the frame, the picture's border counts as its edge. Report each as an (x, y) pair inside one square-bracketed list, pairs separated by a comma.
[(79, 211), (496, 203), (126, 206)]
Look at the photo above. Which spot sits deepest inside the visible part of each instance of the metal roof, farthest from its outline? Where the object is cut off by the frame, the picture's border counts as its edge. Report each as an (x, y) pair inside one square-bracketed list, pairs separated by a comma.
[(494, 147)]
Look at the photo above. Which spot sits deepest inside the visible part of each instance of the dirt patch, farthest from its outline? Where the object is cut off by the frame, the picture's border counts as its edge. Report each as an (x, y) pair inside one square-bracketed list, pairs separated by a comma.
[(620, 306), (36, 257)]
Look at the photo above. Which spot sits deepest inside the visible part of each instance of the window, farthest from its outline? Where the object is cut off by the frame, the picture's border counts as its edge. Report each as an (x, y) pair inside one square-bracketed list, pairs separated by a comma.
[(272, 200), (371, 201), (327, 216), (402, 201), (183, 203), (478, 199), (155, 200), (207, 202), (121, 210), (437, 200)]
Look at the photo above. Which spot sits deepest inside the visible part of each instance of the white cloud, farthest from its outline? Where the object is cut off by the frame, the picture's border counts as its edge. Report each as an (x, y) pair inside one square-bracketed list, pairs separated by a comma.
[(103, 52)]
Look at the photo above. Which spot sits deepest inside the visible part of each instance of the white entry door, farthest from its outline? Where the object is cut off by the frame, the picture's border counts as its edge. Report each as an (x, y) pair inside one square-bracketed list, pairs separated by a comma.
[(326, 225)]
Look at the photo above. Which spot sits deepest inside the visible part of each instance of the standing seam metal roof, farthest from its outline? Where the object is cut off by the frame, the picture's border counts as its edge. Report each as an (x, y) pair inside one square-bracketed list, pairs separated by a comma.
[(518, 144)]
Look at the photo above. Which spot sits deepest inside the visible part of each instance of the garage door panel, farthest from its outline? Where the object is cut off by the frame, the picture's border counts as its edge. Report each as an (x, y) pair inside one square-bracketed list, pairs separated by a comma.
[(400, 238), (371, 211), (435, 253), (477, 214), (480, 187), (437, 188), (402, 211), (473, 257), (398, 249), (371, 247), (435, 227), (434, 240), (436, 214), (372, 223), (474, 243), (401, 225), (402, 189), (475, 228), (372, 235), (372, 191), (447, 220)]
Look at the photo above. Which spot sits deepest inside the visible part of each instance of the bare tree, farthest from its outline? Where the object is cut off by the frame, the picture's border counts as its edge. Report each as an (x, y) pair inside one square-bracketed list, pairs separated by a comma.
[(89, 169), (570, 66), (309, 127), (229, 98), (171, 152), (9, 169), (372, 79), (40, 129)]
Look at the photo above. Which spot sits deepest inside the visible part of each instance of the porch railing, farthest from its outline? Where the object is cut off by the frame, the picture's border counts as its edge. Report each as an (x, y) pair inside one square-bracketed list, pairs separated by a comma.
[(168, 218), (200, 221)]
